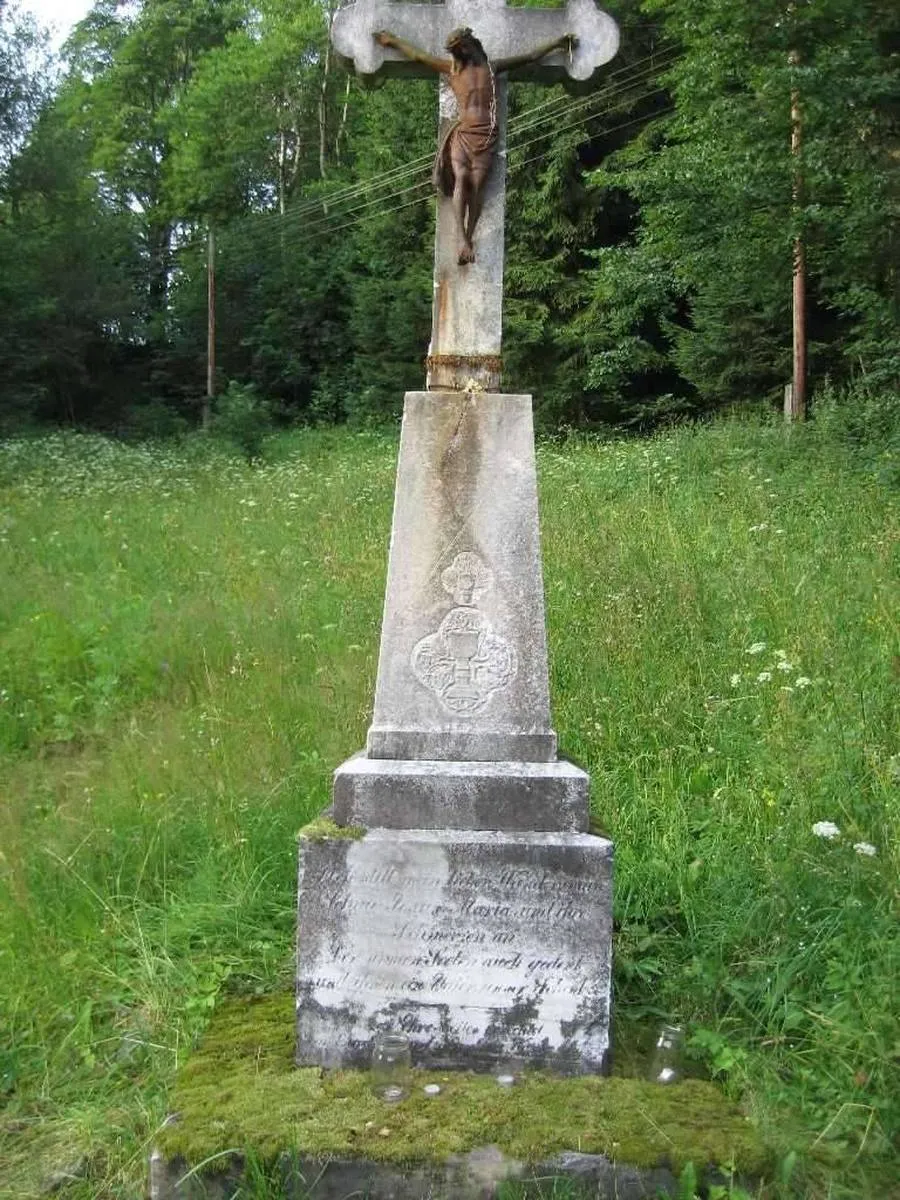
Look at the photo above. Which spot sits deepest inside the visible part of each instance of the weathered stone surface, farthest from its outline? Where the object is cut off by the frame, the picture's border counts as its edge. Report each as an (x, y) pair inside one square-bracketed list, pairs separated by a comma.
[(504, 32), (402, 794), (462, 672), (479, 945), (473, 1176)]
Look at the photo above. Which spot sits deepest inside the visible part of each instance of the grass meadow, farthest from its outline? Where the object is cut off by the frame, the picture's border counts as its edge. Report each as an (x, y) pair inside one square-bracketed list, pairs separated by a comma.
[(188, 648)]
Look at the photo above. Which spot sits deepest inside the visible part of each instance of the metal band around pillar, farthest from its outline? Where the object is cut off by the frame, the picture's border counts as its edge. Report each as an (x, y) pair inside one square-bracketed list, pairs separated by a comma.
[(457, 372)]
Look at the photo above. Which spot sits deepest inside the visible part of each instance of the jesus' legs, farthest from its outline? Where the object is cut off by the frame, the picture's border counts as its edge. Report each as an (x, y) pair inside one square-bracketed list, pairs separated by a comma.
[(477, 185), (462, 204)]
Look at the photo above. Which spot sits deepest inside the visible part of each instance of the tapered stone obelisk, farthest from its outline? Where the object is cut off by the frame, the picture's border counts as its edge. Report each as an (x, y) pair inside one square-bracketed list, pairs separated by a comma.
[(475, 911)]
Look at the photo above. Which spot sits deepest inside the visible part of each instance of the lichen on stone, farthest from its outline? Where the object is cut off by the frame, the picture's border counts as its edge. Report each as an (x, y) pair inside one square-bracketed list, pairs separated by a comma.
[(323, 829), (241, 1089)]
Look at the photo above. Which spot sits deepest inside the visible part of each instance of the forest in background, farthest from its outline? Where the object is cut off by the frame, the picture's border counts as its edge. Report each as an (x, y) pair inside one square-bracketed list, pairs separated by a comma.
[(650, 223)]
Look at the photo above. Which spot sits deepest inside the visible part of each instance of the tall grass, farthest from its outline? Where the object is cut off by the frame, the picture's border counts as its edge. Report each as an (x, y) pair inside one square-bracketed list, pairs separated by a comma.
[(188, 647)]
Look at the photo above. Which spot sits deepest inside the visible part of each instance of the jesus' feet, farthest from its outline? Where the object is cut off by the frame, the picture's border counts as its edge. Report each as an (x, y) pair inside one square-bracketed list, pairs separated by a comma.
[(466, 254)]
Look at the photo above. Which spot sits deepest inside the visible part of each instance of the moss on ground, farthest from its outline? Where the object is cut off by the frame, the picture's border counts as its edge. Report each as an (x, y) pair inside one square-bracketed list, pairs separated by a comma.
[(241, 1090), (323, 828)]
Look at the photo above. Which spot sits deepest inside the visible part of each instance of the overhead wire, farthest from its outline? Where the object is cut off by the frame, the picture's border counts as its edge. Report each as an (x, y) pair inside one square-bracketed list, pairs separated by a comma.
[(662, 112), (550, 120), (522, 122), (296, 240), (659, 59), (327, 224)]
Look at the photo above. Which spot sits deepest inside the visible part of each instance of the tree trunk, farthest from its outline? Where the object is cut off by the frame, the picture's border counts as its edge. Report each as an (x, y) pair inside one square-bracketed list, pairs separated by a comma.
[(798, 387), (343, 124), (323, 100), (210, 329)]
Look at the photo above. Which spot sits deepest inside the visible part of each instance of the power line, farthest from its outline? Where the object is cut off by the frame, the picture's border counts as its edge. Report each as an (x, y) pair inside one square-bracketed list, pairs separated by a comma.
[(560, 106), (301, 241), (583, 106), (286, 232), (659, 60), (670, 108)]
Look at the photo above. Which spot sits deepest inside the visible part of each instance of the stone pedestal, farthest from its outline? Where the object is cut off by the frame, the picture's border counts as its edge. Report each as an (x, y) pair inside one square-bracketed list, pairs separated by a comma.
[(505, 796), (459, 897)]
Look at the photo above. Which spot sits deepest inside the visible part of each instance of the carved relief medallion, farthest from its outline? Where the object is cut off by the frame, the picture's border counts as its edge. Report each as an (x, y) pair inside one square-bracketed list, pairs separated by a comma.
[(464, 662)]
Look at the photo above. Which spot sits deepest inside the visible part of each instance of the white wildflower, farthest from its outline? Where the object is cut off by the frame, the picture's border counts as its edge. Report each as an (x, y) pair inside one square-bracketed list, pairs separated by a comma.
[(784, 665), (764, 677), (761, 528), (826, 829), (757, 648), (802, 682), (735, 681), (865, 848)]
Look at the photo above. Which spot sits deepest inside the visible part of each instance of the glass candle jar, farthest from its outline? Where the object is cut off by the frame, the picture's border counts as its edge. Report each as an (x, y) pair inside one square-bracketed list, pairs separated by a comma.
[(391, 1066), (666, 1065)]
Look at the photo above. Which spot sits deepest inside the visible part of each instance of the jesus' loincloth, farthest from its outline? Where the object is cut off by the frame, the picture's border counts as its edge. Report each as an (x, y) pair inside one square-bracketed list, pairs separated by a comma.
[(475, 141)]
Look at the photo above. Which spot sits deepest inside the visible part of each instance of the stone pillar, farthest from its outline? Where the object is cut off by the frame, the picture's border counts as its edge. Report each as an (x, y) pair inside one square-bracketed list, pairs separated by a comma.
[(467, 315), (462, 899), (462, 673)]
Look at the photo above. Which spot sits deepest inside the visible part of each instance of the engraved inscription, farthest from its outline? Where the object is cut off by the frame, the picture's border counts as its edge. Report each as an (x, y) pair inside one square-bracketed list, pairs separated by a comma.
[(477, 936), (465, 662)]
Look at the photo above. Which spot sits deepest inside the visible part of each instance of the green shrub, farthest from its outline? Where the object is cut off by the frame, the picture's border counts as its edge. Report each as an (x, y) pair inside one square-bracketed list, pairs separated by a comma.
[(243, 419)]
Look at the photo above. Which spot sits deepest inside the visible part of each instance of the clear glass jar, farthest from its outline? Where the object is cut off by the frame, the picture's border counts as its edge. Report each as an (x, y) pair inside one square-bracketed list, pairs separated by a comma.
[(391, 1066), (667, 1065)]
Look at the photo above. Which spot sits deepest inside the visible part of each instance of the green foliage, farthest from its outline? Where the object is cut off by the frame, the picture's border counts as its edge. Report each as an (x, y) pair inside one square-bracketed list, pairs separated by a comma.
[(864, 416), (188, 647), (242, 418), (708, 276), (23, 77), (650, 226)]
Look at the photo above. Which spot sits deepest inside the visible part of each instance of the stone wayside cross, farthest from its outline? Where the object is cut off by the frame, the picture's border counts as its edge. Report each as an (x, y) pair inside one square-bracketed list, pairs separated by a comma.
[(468, 303), (459, 895)]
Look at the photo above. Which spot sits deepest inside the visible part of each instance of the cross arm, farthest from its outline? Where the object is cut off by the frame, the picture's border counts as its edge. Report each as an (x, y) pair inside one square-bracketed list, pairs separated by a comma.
[(413, 53), (522, 60), (506, 34)]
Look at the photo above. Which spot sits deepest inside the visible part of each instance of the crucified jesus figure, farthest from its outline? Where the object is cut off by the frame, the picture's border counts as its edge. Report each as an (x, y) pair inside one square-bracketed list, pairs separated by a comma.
[(466, 153)]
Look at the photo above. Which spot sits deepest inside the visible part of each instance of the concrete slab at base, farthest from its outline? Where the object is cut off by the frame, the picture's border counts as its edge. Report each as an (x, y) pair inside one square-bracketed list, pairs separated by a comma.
[(480, 946), (417, 794)]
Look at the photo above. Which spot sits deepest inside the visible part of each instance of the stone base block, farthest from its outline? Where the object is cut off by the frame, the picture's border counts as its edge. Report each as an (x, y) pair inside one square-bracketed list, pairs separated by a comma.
[(478, 1175), (460, 745), (508, 796), (480, 946)]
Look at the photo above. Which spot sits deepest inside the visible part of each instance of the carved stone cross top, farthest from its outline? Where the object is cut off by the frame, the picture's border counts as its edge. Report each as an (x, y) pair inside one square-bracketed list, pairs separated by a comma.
[(504, 32), (465, 351)]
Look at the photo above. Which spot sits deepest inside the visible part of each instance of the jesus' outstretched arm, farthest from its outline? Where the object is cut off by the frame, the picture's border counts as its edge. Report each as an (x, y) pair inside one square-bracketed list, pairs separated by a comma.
[(568, 41), (408, 50)]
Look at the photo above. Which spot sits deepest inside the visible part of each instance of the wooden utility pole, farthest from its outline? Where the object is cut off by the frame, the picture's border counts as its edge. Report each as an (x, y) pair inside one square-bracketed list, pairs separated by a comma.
[(796, 411), (210, 328)]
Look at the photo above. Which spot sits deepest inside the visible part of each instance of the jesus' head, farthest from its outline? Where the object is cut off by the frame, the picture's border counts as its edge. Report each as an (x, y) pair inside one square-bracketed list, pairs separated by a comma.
[(466, 48)]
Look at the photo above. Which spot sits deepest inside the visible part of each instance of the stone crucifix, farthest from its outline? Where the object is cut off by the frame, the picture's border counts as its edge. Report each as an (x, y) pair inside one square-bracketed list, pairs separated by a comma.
[(562, 45)]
